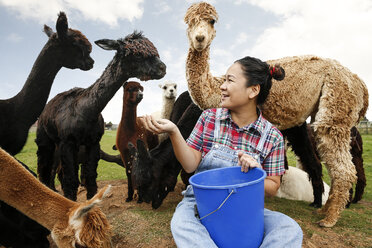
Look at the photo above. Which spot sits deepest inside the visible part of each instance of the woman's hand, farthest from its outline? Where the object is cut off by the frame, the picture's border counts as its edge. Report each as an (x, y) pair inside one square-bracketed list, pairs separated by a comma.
[(247, 162), (159, 126)]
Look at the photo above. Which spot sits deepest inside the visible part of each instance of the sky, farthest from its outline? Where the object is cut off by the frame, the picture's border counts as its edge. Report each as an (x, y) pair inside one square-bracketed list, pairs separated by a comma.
[(266, 29)]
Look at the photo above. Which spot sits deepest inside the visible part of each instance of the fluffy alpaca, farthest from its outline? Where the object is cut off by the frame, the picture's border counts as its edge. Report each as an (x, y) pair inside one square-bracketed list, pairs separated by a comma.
[(130, 129), (335, 98), (295, 185), (169, 97), (71, 224), (66, 48), (59, 126), (161, 160)]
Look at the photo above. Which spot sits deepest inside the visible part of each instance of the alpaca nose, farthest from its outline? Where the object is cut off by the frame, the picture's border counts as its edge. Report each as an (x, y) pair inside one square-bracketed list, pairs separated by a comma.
[(171, 91), (200, 38)]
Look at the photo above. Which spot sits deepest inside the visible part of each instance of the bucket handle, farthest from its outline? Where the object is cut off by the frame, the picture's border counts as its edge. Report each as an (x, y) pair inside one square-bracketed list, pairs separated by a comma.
[(197, 212)]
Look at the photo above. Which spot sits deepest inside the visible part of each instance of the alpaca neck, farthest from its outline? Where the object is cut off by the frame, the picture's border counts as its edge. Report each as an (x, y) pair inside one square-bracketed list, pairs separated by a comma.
[(129, 116), (203, 87), (167, 107), (101, 92), (30, 101), (21, 190)]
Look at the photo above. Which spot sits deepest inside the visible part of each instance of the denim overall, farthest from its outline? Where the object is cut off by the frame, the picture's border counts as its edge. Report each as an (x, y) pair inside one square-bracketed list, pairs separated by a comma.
[(220, 155), (188, 231)]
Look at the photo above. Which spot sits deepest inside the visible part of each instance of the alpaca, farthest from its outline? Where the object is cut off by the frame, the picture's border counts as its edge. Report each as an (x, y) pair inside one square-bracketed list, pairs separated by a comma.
[(325, 90), (71, 118), (130, 129), (161, 160), (295, 185), (71, 224), (66, 48), (169, 97)]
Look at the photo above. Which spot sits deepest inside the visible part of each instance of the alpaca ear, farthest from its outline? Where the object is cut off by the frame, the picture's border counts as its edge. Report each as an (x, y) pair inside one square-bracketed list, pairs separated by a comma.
[(48, 31), (82, 211), (108, 44), (62, 25)]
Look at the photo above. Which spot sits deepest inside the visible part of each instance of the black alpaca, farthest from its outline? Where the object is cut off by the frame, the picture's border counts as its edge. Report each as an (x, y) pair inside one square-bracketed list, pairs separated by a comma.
[(71, 119), (67, 48), (161, 160)]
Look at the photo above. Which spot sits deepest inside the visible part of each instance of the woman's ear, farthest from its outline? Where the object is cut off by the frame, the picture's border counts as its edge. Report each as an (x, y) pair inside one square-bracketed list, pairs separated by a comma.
[(255, 90)]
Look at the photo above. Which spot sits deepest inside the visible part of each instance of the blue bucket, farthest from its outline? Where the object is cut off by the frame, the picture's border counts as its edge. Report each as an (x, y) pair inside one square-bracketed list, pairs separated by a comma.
[(230, 205)]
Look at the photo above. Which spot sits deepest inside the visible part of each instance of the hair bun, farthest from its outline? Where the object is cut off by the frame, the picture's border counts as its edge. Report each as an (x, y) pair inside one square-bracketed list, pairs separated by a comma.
[(277, 72)]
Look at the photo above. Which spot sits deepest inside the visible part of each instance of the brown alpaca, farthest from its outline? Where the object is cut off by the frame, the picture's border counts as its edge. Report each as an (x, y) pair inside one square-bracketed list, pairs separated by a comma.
[(334, 97), (71, 224), (130, 129)]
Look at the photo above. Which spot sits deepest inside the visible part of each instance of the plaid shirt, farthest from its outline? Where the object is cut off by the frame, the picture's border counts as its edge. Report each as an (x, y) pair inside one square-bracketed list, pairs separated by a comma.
[(243, 139)]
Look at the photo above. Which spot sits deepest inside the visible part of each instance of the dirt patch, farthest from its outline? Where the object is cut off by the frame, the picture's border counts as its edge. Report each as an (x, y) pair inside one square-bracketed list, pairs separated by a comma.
[(138, 225)]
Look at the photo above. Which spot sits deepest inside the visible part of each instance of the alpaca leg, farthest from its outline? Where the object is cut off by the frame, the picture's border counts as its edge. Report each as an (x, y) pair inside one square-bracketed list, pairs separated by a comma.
[(305, 150), (340, 168), (356, 152), (361, 181), (70, 181), (128, 171), (90, 169), (45, 158)]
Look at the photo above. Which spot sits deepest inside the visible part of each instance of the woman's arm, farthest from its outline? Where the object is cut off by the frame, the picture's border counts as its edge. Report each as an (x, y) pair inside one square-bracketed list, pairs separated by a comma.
[(272, 184), (187, 156)]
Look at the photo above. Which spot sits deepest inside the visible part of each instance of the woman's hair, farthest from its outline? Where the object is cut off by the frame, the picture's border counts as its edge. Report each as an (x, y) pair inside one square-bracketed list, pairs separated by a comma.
[(259, 72)]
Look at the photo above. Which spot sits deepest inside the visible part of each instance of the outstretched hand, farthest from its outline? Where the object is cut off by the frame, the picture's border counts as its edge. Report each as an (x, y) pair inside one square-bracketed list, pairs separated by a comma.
[(247, 162), (159, 126)]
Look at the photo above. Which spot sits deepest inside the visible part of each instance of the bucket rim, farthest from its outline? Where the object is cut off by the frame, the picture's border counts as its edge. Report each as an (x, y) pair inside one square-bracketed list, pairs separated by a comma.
[(229, 186)]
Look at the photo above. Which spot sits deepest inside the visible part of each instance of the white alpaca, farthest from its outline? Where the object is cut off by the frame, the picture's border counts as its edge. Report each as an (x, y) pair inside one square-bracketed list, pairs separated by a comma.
[(295, 185), (169, 97)]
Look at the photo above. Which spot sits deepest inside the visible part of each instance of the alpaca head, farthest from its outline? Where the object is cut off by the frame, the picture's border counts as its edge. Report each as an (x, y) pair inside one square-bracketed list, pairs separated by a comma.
[(133, 93), (136, 56), (169, 90), (87, 226), (200, 18), (73, 47)]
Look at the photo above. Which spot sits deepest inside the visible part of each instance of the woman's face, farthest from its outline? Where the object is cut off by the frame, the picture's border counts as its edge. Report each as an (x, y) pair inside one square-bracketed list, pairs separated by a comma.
[(234, 91)]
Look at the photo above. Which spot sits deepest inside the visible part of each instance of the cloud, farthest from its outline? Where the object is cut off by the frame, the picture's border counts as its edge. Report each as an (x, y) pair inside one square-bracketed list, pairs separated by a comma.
[(161, 8), (334, 29), (106, 11), (15, 38)]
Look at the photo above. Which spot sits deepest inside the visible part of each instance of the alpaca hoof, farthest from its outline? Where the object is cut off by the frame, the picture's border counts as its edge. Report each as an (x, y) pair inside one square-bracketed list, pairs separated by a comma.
[(315, 205), (129, 199), (326, 223), (139, 201)]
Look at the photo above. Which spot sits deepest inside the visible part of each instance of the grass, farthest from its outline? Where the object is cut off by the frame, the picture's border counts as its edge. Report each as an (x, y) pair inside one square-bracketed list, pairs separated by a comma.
[(354, 224)]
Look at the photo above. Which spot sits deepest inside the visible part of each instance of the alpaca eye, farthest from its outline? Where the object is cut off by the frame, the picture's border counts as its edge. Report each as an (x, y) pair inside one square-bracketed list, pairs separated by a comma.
[(212, 22), (175, 86), (165, 87)]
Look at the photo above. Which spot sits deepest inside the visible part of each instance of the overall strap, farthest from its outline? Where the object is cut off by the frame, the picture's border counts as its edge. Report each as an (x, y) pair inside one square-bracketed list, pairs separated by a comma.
[(263, 136), (217, 124)]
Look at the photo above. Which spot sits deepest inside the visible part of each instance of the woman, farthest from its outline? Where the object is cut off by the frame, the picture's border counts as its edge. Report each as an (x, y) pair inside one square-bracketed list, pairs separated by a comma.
[(239, 135)]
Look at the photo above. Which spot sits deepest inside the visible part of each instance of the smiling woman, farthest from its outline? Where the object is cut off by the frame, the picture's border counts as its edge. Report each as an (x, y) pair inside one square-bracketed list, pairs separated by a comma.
[(235, 135)]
